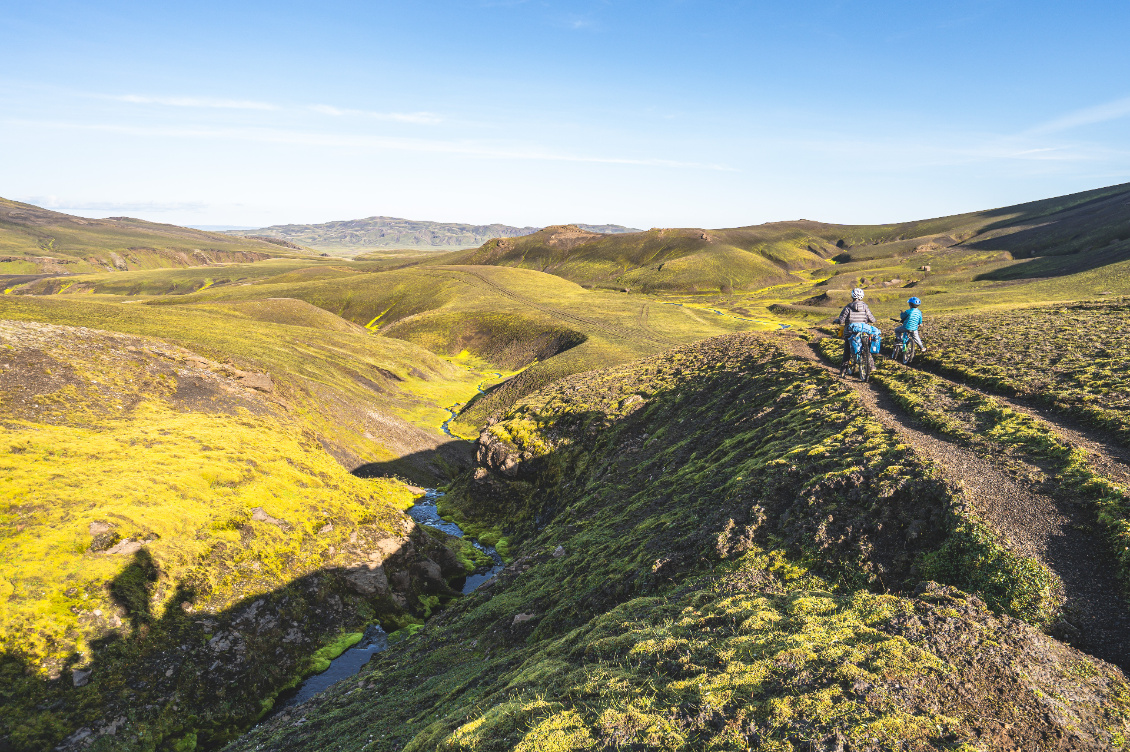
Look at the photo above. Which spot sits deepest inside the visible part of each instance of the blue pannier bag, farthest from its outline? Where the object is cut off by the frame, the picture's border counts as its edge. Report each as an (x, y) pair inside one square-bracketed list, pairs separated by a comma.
[(876, 340), (855, 330)]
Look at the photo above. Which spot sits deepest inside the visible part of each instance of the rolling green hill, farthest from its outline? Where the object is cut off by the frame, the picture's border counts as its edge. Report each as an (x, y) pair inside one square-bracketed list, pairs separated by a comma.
[(354, 236), (39, 241), (1089, 227)]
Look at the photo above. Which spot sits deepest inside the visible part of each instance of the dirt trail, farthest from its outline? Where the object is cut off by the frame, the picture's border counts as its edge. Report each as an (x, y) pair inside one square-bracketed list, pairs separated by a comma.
[(1060, 533), (1104, 454)]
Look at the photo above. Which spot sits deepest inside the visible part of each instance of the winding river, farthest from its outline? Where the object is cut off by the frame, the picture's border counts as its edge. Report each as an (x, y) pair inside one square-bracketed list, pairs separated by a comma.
[(454, 410)]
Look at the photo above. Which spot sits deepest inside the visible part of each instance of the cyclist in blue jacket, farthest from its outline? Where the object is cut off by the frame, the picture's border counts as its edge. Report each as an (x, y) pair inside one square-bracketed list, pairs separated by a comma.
[(911, 320)]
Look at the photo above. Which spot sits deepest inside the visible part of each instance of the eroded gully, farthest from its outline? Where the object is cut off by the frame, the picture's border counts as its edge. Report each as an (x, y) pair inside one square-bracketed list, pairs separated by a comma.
[(375, 640)]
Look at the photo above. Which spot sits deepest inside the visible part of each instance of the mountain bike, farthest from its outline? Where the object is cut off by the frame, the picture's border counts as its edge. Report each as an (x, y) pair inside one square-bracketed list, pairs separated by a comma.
[(903, 349), (861, 361)]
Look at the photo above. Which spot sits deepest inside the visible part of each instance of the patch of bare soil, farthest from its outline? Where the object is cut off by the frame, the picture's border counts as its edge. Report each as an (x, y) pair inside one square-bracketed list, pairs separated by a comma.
[(78, 376), (1054, 530)]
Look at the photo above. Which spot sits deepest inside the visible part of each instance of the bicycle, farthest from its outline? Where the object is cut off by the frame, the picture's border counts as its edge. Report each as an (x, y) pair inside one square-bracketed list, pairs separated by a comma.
[(861, 358), (903, 348)]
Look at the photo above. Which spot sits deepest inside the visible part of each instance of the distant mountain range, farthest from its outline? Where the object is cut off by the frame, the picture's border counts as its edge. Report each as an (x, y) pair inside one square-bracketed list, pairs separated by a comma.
[(393, 232)]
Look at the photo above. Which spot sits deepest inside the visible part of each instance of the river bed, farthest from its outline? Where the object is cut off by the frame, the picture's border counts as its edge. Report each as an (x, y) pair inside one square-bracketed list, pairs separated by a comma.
[(424, 512)]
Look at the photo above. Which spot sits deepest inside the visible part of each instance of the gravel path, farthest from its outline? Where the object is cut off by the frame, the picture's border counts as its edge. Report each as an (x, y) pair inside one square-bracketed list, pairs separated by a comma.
[(1058, 532)]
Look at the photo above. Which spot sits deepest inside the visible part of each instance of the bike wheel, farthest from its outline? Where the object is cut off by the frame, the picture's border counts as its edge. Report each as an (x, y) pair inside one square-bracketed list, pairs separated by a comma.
[(866, 365), (908, 354)]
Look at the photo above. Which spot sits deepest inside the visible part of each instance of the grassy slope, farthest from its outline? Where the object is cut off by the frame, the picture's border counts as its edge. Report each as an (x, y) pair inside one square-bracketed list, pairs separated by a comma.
[(335, 386), (1070, 357), (1091, 227), (702, 538), (682, 259), (35, 240), (157, 445), (509, 318), (338, 379)]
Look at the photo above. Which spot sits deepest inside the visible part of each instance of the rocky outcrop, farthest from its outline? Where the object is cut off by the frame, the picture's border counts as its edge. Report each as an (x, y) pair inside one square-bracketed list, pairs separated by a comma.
[(222, 663)]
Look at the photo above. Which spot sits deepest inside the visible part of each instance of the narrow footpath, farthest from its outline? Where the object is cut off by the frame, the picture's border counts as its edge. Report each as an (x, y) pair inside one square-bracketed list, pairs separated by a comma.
[(1058, 532)]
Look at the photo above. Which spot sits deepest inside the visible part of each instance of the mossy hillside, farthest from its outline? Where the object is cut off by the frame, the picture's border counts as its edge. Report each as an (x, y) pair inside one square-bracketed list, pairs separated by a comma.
[(1087, 230), (687, 260), (1069, 357), (60, 243), (722, 666), (508, 318), (145, 283), (213, 471), (504, 317), (505, 340), (1026, 443), (726, 603), (369, 399), (1060, 250), (579, 428), (161, 519)]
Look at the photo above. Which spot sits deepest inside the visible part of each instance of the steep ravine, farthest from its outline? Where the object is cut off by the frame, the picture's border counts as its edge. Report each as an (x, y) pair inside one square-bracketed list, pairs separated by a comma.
[(374, 639), (719, 548)]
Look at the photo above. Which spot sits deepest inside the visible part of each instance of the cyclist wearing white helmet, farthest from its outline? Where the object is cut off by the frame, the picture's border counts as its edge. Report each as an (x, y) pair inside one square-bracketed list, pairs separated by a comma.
[(855, 312)]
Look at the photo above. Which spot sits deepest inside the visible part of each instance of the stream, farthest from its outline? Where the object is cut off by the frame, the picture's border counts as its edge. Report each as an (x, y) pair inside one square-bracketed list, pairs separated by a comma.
[(454, 412), (424, 512)]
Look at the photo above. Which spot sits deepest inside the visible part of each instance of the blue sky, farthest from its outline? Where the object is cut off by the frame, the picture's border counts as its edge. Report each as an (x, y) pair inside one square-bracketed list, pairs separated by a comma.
[(530, 112)]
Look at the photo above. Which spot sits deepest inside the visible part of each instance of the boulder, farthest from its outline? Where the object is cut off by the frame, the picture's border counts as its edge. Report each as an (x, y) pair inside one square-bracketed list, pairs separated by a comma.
[(260, 515), (429, 576), (260, 382), (125, 548), (448, 561), (103, 541), (368, 580)]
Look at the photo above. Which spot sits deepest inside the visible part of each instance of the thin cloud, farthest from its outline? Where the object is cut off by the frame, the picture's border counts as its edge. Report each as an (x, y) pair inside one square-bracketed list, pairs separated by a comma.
[(64, 204), (923, 153), (579, 23), (201, 102), (1101, 113), (464, 148), (419, 118)]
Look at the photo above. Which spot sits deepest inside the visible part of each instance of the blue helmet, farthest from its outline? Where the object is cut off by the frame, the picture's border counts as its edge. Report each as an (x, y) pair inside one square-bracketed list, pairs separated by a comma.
[(914, 302)]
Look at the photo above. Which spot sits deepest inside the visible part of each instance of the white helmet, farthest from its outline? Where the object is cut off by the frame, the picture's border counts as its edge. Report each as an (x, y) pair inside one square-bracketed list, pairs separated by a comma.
[(857, 294)]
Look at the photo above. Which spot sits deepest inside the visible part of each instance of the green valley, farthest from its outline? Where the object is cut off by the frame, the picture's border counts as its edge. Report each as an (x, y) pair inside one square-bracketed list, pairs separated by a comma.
[(705, 538)]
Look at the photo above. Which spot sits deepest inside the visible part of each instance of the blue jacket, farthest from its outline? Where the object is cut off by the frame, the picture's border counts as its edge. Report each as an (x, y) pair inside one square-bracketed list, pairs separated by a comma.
[(911, 319)]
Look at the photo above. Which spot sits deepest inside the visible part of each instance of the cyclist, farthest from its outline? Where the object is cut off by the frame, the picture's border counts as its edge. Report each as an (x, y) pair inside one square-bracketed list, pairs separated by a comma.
[(911, 320), (855, 312)]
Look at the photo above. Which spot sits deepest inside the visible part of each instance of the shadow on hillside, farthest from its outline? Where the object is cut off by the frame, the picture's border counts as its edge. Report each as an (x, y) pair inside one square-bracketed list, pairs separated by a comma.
[(192, 675), (1062, 265), (1074, 239), (1050, 208), (15, 280), (428, 468)]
